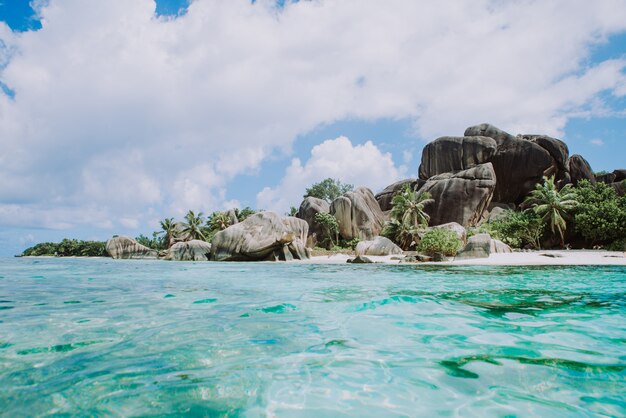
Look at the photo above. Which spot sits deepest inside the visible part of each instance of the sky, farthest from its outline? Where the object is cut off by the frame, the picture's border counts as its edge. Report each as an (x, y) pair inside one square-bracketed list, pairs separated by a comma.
[(117, 114)]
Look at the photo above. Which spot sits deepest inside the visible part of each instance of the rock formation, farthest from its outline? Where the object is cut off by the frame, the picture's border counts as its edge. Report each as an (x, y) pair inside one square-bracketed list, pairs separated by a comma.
[(122, 247), (310, 207), (461, 197), (377, 246), (579, 169), (262, 236), (481, 246), (454, 153), (358, 214), (385, 197), (194, 250)]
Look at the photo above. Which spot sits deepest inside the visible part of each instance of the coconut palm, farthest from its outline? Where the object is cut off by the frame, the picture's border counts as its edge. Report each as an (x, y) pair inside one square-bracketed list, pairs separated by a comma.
[(552, 205), (408, 207), (193, 225), (219, 221), (408, 217), (168, 229)]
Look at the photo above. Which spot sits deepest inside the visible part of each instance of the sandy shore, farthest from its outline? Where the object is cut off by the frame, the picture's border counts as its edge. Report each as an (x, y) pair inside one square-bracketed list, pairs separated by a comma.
[(532, 258)]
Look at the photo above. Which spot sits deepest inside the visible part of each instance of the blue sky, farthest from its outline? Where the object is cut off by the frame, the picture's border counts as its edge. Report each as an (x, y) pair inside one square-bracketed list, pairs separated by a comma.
[(117, 114)]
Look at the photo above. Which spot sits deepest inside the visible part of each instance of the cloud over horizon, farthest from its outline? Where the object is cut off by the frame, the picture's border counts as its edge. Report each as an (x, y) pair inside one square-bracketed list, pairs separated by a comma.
[(120, 117)]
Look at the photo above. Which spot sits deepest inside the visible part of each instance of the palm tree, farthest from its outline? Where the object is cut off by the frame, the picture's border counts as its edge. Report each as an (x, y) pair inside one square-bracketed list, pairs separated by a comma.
[(193, 225), (553, 206), (408, 207), (168, 227), (219, 221), (408, 217)]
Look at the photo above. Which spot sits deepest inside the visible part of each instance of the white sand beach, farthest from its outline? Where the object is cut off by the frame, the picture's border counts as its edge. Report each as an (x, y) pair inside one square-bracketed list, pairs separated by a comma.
[(525, 258)]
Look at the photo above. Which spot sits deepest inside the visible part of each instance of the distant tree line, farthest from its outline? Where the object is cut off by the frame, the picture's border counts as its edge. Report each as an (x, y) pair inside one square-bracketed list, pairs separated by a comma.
[(68, 248)]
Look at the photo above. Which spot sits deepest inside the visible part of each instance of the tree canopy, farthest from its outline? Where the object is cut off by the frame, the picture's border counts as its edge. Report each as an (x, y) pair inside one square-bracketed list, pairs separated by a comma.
[(328, 189)]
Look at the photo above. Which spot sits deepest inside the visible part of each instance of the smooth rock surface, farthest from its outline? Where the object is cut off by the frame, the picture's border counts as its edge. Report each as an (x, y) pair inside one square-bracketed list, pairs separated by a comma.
[(121, 247), (455, 153), (194, 250), (262, 236), (385, 197), (461, 197), (478, 246), (310, 207), (579, 169), (358, 214), (486, 129), (378, 246)]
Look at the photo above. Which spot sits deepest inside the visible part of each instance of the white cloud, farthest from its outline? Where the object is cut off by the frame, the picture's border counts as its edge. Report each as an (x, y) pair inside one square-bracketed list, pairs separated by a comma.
[(597, 142), (360, 165), (135, 115)]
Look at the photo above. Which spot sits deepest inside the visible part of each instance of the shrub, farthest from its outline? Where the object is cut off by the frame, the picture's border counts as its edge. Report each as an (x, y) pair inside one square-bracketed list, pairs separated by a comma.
[(517, 229), (328, 189), (439, 240), (601, 214), (331, 229)]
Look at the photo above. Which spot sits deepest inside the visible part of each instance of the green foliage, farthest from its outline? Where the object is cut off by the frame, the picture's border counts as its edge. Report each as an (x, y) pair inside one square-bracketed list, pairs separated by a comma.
[(601, 215), (218, 221), (168, 230), (156, 242), (408, 218), (68, 248), (293, 211), (552, 205), (244, 213), (517, 229), (331, 228), (618, 245), (193, 225), (328, 189), (600, 173), (439, 240)]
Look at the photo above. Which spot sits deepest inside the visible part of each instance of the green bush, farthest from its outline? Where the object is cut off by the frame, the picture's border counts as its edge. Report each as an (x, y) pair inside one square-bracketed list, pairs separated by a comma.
[(439, 240), (68, 248), (601, 214), (517, 229), (331, 229), (618, 245), (328, 189)]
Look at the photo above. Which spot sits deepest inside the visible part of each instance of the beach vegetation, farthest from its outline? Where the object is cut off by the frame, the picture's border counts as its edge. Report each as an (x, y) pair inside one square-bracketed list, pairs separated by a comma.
[(408, 218), (328, 189), (601, 214), (168, 232), (516, 229), (330, 227), (555, 207), (192, 227), (439, 241), (68, 248)]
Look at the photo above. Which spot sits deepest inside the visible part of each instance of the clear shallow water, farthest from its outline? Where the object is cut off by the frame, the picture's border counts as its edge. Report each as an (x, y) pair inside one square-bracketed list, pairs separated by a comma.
[(132, 338)]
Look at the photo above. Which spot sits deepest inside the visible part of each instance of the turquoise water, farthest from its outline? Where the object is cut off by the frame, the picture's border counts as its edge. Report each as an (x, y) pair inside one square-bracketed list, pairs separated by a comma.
[(134, 338)]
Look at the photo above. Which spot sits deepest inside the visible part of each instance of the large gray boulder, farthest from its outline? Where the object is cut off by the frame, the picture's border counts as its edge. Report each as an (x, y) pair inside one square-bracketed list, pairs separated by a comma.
[(519, 164), (461, 197), (579, 169), (194, 250), (455, 153), (122, 247), (555, 147), (482, 246), (377, 246), (486, 129), (607, 178), (620, 174), (262, 236), (385, 197), (358, 214), (310, 207)]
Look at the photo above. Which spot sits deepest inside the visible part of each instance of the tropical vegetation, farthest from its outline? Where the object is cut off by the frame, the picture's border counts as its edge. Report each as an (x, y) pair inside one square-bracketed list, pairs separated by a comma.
[(439, 241), (408, 218), (555, 207), (68, 248), (328, 189)]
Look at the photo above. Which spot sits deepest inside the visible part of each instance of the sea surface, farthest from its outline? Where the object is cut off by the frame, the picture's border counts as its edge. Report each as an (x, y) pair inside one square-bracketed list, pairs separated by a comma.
[(102, 337)]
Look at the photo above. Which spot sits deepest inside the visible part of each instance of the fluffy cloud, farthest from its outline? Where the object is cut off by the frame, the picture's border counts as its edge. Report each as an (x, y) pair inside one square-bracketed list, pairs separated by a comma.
[(136, 116), (360, 165)]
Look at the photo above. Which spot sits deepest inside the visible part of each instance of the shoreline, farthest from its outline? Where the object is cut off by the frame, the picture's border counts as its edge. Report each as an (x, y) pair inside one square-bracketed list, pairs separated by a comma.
[(521, 258)]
